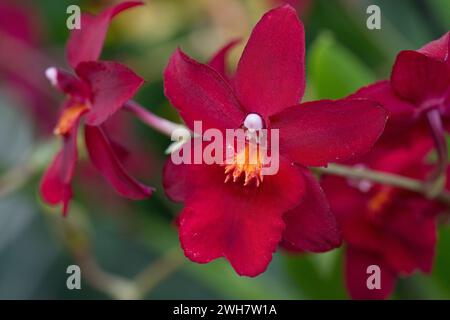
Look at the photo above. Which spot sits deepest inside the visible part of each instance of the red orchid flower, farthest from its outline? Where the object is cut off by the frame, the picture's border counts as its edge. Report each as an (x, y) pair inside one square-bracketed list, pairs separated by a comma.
[(418, 92), (245, 219), (384, 226), (420, 81), (96, 91)]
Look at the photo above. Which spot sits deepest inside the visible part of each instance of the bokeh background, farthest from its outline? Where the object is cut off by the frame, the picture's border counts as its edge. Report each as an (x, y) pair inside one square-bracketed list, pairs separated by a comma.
[(130, 249)]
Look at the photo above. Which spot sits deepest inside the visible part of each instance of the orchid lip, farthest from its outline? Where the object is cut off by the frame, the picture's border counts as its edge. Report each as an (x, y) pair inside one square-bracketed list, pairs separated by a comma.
[(68, 118), (246, 163)]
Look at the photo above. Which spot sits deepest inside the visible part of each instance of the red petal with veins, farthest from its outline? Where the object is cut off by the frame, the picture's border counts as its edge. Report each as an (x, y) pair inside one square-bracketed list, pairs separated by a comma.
[(311, 226), (316, 133), (438, 49), (86, 44), (200, 93), (104, 159), (175, 180), (112, 84), (356, 276), (383, 93), (419, 79), (242, 224), (53, 190), (271, 73), (405, 124), (55, 185), (218, 61)]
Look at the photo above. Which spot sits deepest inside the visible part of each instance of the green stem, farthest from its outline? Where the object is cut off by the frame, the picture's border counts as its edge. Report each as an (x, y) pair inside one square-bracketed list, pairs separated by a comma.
[(383, 178), (16, 177)]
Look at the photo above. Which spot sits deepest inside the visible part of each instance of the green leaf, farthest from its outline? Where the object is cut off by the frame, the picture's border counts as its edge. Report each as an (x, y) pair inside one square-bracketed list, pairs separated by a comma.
[(16, 135), (333, 70), (441, 274), (441, 10), (317, 276)]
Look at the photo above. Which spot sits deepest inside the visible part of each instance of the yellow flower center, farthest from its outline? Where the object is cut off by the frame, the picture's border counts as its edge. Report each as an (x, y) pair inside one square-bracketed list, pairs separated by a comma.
[(68, 118), (247, 163), (380, 199)]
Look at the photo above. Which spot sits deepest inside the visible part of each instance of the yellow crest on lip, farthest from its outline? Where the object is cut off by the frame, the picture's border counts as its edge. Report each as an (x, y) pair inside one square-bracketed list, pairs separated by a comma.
[(380, 199), (247, 162), (68, 118)]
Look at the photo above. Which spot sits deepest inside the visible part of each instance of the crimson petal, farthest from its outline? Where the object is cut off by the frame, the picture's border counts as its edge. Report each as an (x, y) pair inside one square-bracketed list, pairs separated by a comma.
[(438, 49), (200, 93), (271, 73), (86, 43), (316, 133), (112, 84), (356, 263), (55, 187), (68, 83), (383, 93), (420, 79), (410, 236), (311, 226), (53, 190), (242, 224), (105, 160)]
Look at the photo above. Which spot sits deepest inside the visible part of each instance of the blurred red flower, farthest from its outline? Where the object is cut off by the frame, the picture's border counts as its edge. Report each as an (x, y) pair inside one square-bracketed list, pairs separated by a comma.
[(96, 91), (241, 221), (419, 84), (422, 77), (22, 62), (382, 225)]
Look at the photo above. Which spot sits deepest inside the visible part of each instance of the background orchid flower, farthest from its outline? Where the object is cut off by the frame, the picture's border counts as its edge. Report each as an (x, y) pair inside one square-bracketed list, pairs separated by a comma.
[(245, 222), (96, 91), (419, 83), (22, 31), (383, 225), (418, 94)]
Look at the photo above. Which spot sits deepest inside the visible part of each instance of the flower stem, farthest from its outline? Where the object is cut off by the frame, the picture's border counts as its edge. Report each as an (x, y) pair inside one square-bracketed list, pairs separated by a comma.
[(16, 177), (160, 124), (383, 178)]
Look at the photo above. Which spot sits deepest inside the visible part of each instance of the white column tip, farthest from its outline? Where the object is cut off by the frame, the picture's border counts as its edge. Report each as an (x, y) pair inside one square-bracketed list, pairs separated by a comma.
[(253, 122), (52, 75)]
